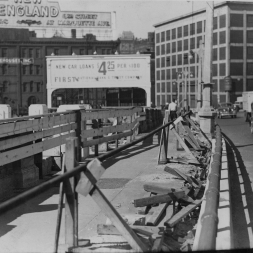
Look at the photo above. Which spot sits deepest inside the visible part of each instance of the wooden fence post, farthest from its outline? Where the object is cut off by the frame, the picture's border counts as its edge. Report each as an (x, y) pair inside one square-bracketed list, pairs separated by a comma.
[(71, 203)]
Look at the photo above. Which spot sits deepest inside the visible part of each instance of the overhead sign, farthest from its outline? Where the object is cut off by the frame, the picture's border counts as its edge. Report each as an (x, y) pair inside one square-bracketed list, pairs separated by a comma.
[(24, 61), (79, 71), (43, 13)]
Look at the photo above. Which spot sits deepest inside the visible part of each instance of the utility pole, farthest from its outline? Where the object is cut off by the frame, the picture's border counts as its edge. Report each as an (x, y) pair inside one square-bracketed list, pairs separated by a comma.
[(206, 113)]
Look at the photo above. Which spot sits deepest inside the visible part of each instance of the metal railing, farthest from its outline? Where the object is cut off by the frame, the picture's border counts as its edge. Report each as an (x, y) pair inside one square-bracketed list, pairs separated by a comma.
[(209, 219)]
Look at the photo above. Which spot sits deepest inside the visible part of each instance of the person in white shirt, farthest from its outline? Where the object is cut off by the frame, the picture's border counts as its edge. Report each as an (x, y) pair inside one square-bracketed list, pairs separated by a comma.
[(173, 109)]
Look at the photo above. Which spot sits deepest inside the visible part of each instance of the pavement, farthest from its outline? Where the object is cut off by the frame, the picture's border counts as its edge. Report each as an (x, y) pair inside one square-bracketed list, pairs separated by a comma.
[(239, 151), (31, 226)]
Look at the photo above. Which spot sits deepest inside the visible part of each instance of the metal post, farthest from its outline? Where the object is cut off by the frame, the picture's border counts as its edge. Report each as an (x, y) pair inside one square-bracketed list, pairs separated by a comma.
[(185, 90), (207, 114)]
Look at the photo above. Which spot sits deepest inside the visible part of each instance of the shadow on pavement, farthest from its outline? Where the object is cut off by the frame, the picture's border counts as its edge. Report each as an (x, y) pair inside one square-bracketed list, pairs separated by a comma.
[(33, 205), (241, 197)]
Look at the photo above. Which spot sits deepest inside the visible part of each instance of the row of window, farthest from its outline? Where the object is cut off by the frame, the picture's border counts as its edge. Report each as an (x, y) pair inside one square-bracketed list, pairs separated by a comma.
[(183, 59), (183, 31), (36, 52), (32, 87), (183, 45), (26, 69)]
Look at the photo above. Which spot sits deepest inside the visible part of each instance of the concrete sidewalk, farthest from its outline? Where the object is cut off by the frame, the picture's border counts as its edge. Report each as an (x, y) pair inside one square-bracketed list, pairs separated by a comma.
[(31, 226)]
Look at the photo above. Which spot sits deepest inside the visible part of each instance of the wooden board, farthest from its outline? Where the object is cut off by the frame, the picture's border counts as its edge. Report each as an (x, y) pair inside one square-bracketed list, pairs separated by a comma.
[(158, 211), (163, 198), (29, 150), (108, 209), (182, 213)]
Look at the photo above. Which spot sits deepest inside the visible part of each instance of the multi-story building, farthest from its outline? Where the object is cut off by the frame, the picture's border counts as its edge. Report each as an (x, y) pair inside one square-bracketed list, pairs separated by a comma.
[(232, 53)]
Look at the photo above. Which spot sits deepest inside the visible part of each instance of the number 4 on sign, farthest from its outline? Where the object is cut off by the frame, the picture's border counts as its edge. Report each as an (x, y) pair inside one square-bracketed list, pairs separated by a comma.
[(102, 68)]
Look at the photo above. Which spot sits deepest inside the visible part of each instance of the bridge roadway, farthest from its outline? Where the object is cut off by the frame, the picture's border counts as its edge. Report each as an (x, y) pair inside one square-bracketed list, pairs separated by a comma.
[(31, 226), (240, 162)]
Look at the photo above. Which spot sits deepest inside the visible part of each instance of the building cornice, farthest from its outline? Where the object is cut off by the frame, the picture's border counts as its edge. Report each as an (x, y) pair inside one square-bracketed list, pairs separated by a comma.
[(198, 12)]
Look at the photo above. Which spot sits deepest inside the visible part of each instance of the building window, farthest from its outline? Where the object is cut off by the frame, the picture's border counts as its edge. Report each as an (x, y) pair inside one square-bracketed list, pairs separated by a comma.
[(215, 39), (173, 47), (215, 57), (163, 87), (158, 62), (4, 52), (163, 49), (192, 29), (222, 21), (37, 69), (199, 27), (215, 70), (236, 68), (185, 30), (168, 74), (223, 37), (5, 69), (215, 25), (236, 20), (163, 62), (173, 33), (173, 63), (249, 36), (179, 32), (168, 88), (167, 61), (82, 51), (157, 50), (222, 53), (30, 53), (192, 43), (162, 36), (5, 86), (38, 87), (237, 53), (103, 51), (37, 52), (249, 85), (249, 52), (24, 87), (31, 69), (249, 20), (31, 86), (168, 48), (186, 46), (163, 74), (199, 38), (174, 74), (158, 75), (158, 87), (222, 69), (158, 38), (236, 36), (109, 51), (179, 46), (249, 68), (24, 52), (168, 35), (56, 51), (179, 59)]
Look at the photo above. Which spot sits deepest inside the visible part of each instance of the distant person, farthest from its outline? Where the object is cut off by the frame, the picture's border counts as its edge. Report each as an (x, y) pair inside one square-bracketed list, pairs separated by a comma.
[(173, 109), (166, 106), (152, 105)]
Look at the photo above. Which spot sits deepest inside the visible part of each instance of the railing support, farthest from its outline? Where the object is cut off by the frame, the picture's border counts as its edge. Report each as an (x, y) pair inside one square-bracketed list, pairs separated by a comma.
[(71, 203)]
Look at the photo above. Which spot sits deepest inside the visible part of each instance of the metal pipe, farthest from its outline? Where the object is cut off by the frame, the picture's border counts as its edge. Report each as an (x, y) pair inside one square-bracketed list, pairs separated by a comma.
[(209, 219)]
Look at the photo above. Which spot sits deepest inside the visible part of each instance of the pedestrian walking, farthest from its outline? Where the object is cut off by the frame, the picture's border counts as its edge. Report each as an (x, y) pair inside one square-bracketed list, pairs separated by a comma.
[(173, 109), (166, 106)]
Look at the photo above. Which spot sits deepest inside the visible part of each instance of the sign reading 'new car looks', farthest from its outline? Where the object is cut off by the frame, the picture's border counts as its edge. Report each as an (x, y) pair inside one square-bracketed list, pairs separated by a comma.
[(43, 13)]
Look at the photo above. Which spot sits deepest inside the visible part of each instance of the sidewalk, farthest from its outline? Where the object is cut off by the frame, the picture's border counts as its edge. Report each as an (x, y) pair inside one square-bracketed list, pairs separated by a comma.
[(31, 226)]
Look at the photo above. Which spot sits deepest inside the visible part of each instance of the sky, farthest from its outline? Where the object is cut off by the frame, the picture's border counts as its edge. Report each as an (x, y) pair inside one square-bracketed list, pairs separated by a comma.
[(138, 16)]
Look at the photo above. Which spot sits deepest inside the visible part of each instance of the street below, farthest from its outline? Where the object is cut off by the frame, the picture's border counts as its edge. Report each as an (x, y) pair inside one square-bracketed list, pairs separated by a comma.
[(240, 153)]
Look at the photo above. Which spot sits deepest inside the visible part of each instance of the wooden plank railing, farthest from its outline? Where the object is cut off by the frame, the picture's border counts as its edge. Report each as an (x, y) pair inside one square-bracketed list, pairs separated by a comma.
[(27, 136)]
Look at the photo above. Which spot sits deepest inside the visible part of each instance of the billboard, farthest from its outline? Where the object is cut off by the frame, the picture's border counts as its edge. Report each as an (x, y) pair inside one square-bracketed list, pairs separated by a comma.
[(47, 14), (98, 71)]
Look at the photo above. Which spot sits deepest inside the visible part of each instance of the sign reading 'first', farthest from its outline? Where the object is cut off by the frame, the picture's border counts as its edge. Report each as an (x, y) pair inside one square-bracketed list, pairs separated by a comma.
[(43, 13)]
